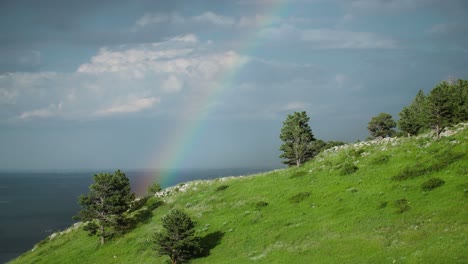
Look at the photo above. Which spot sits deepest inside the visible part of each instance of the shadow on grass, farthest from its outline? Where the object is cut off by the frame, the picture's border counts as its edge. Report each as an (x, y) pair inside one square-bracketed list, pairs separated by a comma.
[(209, 242), (143, 215)]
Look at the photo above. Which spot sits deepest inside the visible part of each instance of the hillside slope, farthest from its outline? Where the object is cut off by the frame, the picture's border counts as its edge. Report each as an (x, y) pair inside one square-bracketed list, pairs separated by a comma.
[(361, 203)]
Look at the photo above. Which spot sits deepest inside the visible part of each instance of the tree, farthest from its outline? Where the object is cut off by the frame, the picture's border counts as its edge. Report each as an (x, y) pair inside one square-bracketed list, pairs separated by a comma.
[(154, 188), (414, 118), (440, 107), (382, 126), (458, 91), (297, 137), (177, 240), (108, 198)]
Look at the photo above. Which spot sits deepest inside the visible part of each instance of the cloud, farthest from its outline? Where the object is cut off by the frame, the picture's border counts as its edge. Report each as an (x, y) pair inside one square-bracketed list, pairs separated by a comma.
[(48, 111), (323, 38), (150, 79), (215, 19), (172, 84), (135, 105), (149, 19)]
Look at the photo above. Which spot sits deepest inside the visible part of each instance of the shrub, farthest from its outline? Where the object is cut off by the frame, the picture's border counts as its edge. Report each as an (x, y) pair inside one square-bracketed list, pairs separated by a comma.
[(298, 174), (356, 153), (222, 187), (382, 205), (299, 197), (432, 184), (402, 205), (153, 203), (441, 161), (138, 203), (381, 159), (154, 188), (261, 204), (348, 168)]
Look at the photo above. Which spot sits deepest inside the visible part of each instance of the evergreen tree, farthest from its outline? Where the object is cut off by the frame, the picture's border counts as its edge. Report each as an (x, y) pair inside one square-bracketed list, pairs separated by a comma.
[(297, 137), (108, 198), (154, 188), (382, 126), (441, 107), (459, 101), (177, 240), (413, 118)]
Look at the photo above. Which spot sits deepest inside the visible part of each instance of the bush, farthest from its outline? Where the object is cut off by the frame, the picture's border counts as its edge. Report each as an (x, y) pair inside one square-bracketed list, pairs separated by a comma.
[(298, 174), (348, 168), (441, 161), (381, 159), (382, 205), (299, 197), (154, 188), (356, 153), (402, 205), (222, 187), (261, 204), (138, 203), (432, 184), (153, 203)]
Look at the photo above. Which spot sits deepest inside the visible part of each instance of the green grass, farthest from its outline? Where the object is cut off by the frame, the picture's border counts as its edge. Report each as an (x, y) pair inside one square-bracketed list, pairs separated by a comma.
[(326, 211)]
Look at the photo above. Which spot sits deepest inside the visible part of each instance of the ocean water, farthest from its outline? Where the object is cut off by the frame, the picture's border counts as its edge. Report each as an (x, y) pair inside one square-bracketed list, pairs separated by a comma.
[(33, 205)]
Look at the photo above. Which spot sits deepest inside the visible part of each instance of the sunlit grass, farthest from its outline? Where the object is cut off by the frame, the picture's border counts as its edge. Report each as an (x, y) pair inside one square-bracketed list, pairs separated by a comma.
[(313, 214)]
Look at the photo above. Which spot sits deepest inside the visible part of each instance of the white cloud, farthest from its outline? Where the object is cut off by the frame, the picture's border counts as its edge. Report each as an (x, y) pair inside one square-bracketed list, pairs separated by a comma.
[(158, 18), (119, 80), (172, 84), (48, 111), (131, 106), (162, 59), (213, 18)]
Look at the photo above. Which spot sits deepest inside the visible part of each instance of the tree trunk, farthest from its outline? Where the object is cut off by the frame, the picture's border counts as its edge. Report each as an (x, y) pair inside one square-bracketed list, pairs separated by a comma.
[(298, 163), (102, 235)]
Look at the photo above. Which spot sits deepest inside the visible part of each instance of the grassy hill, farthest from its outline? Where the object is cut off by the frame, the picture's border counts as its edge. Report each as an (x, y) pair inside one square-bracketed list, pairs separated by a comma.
[(361, 203)]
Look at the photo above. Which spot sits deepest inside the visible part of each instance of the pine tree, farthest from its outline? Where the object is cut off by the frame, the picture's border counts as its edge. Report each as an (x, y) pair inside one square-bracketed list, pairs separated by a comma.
[(297, 137), (414, 118), (440, 105), (382, 126), (178, 240), (459, 101), (108, 198)]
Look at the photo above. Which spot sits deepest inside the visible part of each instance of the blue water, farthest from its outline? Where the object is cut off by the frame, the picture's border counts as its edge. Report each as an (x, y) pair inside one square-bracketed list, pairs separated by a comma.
[(34, 205)]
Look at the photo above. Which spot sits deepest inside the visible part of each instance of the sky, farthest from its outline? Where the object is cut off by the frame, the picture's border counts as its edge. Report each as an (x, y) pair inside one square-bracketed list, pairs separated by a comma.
[(207, 84)]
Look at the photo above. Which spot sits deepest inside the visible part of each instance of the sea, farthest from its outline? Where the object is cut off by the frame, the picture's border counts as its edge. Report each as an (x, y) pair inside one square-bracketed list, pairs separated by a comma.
[(34, 205)]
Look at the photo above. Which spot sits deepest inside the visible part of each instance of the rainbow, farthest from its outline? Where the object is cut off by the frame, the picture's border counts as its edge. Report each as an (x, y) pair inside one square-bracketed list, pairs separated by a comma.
[(187, 132)]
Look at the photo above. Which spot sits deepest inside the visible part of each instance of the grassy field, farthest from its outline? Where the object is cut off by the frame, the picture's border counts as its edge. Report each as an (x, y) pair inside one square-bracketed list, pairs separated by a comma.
[(366, 203)]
